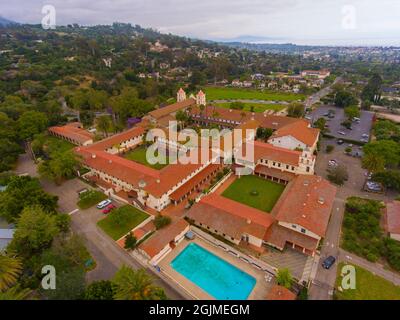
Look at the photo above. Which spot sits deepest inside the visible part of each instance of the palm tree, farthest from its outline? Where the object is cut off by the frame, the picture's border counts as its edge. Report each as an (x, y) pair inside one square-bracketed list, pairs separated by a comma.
[(15, 293), (373, 162), (10, 269), (132, 284)]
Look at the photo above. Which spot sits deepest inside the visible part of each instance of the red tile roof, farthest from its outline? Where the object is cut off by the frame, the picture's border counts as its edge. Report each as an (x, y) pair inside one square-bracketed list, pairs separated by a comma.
[(299, 130), (393, 216), (161, 112), (278, 292), (160, 239), (118, 138), (278, 236), (307, 201), (73, 131), (269, 152), (230, 217), (284, 175)]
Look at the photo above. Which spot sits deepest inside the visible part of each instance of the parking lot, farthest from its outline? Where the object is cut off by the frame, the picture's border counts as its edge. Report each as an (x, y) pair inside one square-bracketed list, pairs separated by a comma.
[(334, 124)]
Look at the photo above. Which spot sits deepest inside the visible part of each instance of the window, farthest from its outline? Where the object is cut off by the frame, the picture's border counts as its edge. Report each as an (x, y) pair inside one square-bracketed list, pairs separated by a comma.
[(294, 226), (303, 230), (232, 239)]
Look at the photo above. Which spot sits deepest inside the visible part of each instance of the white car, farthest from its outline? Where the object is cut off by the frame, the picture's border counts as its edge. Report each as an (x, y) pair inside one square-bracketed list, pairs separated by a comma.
[(103, 204), (342, 133), (332, 163)]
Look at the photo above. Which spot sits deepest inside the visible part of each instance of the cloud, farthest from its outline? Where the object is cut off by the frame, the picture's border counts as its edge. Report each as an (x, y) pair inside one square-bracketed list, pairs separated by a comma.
[(303, 21)]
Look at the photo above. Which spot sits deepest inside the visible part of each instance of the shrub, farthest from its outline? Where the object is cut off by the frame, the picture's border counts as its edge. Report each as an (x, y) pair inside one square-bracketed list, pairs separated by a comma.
[(161, 221), (330, 148), (130, 241)]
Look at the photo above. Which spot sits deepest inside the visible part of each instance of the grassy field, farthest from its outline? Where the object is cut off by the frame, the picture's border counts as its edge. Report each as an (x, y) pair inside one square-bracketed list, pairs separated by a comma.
[(217, 93), (255, 192), (257, 107), (139, 155), (368, 287), (122, 220), (90, 198)]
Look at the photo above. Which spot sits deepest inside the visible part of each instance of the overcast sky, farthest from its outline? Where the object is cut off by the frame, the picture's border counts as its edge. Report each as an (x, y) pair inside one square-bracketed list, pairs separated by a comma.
[(330, 22)]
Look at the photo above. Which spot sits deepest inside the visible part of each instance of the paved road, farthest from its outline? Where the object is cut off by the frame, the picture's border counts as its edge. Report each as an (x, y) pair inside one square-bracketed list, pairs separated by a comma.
[(325, 279), (108, 255), (320, 94)]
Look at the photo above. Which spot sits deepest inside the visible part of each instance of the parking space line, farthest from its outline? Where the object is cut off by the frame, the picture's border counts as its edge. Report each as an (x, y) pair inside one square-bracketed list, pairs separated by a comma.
[(73, 211)]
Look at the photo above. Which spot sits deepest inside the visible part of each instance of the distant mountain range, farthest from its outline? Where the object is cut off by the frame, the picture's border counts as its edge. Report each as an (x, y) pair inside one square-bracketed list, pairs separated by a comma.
[(5, 22)]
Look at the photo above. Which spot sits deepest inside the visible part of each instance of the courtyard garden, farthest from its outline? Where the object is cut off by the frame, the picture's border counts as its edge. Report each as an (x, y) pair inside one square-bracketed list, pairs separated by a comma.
[(122, 220), (139, 155), (255, 192), (223, 93), (368, 287)]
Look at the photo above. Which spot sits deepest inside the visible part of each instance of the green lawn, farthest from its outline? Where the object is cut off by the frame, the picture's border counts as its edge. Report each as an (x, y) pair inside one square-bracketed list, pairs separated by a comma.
[(257, 107), (90, 198), (139, 155), (122, 220), (218, 93), (255, 192), (368, 287)]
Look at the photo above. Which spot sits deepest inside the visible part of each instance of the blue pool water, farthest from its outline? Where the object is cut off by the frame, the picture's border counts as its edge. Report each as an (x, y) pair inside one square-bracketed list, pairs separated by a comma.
[(217, 277)]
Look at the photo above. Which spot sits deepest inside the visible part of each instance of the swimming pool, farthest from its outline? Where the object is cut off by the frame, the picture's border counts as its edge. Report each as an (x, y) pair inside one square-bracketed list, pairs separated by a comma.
[(214, 275)]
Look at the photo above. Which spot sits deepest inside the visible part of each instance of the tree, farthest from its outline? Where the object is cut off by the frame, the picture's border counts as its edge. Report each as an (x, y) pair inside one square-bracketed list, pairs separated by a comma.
[(338, 175), (31, 123), (389, 178), (372, 90), (15, 293), (352, 112), (237, 105), (99, 290), (130, 241), (320, 124), (21, 192), (10, 269), (129, 284), (344, 99), (373, 162), (35, 231), (70, 285), (104, 124), (182, 117), (62, 165), (264, 133), (387, 149), (295, 110), (161, 221), (284, 278)]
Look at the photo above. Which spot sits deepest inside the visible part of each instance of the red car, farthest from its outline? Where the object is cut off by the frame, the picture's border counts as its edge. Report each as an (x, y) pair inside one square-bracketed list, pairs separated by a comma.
[(108, 209)]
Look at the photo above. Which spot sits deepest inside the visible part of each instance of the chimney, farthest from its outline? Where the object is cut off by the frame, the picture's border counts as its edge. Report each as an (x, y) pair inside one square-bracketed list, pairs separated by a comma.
[(93, 156), (321, 200)]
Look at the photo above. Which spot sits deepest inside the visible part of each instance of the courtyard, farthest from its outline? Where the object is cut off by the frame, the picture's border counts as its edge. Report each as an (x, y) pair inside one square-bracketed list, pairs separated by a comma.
[(139, 155), (255, 192)]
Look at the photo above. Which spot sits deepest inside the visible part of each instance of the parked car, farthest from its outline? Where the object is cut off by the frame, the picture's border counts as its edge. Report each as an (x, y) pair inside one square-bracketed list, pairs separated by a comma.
[(342, 133), (364, 140), (329, 262), (366, 136), (373, 186), (340, 142), (103, 204), (109, 208), (332, 163)]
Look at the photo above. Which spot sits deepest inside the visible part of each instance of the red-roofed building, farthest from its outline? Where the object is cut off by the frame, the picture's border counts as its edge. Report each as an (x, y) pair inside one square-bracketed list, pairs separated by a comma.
[(74, 133), (297, 135), (278, 292), (234, 221), (163, 241), (392, 214)]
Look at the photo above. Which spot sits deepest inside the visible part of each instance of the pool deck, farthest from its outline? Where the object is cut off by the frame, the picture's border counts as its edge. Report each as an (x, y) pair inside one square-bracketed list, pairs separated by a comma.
[(259, 291)]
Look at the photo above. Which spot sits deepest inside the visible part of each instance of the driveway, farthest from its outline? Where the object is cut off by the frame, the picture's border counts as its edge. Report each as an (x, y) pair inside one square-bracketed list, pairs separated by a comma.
[(358, 129)]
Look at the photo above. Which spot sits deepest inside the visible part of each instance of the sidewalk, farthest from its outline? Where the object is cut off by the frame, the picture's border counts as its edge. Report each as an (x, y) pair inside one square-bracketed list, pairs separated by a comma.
[(375, 268)]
